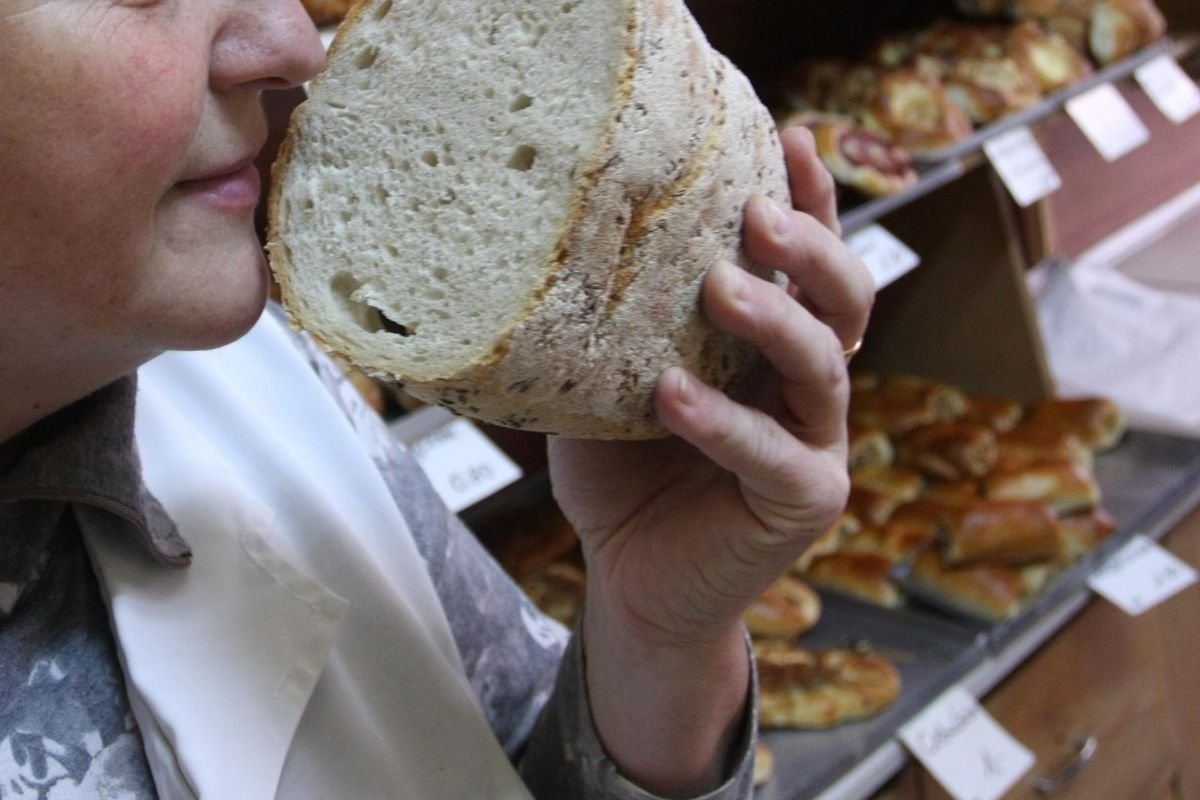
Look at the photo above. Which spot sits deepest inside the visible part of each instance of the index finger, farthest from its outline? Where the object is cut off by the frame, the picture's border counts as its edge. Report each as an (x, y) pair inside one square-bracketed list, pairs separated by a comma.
[(812, 187)]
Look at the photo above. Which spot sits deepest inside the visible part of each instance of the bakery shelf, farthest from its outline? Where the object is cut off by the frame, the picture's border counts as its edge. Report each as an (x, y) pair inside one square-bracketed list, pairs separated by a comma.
[(930, 178), (1149, 483), (938, 168), (1051, 103)]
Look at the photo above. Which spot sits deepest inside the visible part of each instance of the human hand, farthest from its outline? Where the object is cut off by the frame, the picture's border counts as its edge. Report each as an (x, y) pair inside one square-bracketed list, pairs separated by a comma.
[(681, 535)]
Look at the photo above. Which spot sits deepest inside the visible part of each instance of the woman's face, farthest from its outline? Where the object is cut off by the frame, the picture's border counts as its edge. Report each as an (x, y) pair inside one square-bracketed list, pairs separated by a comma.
[(128, 129)]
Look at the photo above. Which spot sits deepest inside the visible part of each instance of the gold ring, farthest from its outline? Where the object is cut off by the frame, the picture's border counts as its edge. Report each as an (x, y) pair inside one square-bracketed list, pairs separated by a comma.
[(853, 350)]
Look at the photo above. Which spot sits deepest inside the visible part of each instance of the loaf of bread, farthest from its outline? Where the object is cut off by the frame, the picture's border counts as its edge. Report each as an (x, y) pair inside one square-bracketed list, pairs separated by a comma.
[(510, 207)]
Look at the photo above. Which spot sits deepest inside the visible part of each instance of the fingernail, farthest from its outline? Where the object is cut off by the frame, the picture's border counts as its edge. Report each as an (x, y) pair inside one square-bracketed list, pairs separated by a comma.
[(731, 277), (685, 388), (781, 220)]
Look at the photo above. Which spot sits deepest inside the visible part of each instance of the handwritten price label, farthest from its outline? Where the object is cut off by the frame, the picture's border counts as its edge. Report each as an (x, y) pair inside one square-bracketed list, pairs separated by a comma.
[(885, 256), (463, 465), (1170, 88), (1108, 121), (1022, 164), (968, 753), (1141, 575)]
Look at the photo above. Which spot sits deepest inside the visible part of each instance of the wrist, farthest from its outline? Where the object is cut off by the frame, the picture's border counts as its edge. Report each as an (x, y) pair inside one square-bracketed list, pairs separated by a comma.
[(667, 710)]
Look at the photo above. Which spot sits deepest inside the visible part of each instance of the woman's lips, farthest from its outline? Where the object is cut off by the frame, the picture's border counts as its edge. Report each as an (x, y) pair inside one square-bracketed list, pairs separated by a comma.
[(236, 191)]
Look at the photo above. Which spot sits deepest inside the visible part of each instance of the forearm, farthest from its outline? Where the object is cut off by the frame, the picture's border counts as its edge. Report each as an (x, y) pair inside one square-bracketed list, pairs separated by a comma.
[(668, 714)]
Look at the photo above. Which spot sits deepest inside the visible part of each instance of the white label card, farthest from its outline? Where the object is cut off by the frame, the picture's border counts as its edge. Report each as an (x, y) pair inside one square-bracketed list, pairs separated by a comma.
[(1108, 121), (1141, 575), (885, 256), (1170, 88), (1022, 164), (960, 744), (463, 465)]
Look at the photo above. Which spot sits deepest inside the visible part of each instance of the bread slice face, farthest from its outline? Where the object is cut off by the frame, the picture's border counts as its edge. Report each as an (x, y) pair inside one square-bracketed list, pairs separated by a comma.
[(509, 207)]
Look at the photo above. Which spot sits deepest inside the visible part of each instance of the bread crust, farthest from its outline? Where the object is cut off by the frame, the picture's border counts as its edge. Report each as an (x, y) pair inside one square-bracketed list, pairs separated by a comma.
[(658, 203)]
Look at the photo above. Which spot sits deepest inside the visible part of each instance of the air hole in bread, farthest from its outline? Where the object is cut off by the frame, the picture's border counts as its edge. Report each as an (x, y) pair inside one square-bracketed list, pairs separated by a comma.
[(348, 289), (366, 58), (430, 158), (567, 8), (521, 102), (522, 158)]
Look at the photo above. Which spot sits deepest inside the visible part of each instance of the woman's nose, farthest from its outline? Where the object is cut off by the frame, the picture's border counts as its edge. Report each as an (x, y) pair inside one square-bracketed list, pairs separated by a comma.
[(268, 44)]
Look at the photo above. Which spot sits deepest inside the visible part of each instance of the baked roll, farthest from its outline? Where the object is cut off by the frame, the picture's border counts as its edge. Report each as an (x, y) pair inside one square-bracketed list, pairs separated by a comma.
[(1065, 486), (872, 409), (788, 608), (991, 591), (1097, 421), (894, 541), (1047, 56), (1007, 532), (912, 110), (1121, 27), (845, 526), (924, 511), (951, 451), (899, 403), (998, 413), (987, 89), (955, 492), (871, 506), (1085, 531), (858, 574), (869, 447), (822, 688), (1028, 444), (857, 158), (945, 402), (903, 484)]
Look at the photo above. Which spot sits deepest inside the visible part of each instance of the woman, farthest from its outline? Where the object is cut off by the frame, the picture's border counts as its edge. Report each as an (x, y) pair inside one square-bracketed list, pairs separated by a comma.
[(260, 596)]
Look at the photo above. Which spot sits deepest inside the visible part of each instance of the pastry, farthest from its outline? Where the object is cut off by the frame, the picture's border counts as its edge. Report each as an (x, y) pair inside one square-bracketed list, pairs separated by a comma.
[(863, 575), (822, 688), (1008, 532), (1121, 27), (1065, 486), (786, 609), (948, 450), (1097, 421), (911, 109)]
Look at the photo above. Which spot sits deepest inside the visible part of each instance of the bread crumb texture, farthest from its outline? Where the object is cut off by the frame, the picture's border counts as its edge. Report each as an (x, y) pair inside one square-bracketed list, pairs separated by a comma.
[(510, 206)]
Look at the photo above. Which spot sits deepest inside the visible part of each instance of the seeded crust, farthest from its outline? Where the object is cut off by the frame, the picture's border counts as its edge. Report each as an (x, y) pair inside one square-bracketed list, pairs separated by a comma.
[(659, 202)]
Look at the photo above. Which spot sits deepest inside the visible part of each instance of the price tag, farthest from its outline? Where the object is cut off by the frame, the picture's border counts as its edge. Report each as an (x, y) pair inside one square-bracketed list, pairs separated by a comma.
[(1108, 121), (1022, 164), (463, 465), (1141, 575), (1170, 88), (885, 256), (960, 744)]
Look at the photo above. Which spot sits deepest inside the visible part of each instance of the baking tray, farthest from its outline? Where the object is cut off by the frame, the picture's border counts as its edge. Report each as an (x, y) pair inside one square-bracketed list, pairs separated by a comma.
[(931, 653), (1149, 482)]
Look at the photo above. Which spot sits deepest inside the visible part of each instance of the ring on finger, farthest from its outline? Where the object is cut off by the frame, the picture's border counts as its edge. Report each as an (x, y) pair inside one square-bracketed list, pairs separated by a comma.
[(852, 350)]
